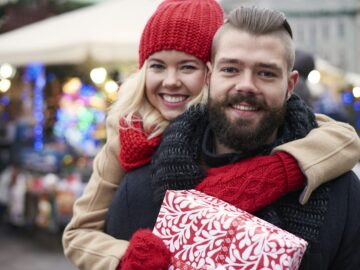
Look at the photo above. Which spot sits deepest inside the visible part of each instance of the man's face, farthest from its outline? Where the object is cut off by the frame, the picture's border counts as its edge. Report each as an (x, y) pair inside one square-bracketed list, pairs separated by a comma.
[(249, 87)]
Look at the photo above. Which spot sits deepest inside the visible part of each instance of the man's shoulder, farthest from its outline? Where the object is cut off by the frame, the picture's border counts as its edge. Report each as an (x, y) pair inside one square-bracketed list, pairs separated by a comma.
[(344, 198), (345, 194), (331, 203), (346, 185), (342, 192)]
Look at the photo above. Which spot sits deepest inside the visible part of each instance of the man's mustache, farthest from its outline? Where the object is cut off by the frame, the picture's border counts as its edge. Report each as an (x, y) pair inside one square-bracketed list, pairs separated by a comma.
[(252, 100)]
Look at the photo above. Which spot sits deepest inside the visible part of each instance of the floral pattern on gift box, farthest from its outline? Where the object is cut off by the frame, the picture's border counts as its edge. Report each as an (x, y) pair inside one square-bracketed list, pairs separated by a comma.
[(203, 232)]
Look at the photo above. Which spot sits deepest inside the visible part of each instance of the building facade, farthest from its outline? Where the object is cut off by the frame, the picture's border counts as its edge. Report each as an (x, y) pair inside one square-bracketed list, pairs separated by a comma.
[(328, 29)]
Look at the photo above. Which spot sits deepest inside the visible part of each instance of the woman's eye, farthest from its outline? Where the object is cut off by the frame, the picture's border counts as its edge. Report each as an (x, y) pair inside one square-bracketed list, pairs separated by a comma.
[(188, 67), (156, 66), (229, 69)]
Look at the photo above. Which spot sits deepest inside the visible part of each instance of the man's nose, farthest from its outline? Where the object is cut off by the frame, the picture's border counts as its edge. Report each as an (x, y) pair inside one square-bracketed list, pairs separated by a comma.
[(246, 82)]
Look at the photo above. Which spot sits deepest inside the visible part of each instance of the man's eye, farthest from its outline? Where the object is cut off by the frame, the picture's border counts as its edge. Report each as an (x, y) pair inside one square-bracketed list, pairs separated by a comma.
[(229, 69), (267, 74)]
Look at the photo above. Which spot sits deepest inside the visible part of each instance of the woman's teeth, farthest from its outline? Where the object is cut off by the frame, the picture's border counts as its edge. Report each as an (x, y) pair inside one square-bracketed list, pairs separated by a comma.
[(174, 99)]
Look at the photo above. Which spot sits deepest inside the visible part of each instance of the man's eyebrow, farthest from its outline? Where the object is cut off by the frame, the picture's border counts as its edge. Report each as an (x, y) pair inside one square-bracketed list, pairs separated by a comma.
[(273, 66), (269, 65), (226, 60)]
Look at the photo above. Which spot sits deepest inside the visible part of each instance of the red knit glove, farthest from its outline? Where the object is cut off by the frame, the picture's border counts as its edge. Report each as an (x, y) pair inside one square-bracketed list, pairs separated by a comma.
[(146, 251), (136, 148), (254, 183)]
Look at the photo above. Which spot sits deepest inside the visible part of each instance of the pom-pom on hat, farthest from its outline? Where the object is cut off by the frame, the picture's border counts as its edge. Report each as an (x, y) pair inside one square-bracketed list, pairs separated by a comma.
[(183, 25)]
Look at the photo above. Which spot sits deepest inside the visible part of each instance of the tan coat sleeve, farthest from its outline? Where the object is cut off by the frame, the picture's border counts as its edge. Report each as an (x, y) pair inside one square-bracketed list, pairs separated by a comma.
[(85, 244), (325, 153)]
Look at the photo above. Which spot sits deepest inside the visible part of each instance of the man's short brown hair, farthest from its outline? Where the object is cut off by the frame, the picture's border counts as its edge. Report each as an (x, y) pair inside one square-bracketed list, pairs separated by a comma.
[(259, 21)]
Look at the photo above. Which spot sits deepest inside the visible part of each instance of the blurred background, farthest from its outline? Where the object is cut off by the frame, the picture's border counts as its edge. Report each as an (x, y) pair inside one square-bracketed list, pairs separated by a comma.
[(61, 63)]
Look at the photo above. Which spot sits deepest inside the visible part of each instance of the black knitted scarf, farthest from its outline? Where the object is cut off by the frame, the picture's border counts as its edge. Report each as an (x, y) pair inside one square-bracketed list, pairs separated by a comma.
[(176, 163)]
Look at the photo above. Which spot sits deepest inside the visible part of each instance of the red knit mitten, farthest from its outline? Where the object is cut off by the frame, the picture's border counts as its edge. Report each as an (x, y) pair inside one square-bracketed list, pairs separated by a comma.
[(136, 148), (254, 183), (146, 251)]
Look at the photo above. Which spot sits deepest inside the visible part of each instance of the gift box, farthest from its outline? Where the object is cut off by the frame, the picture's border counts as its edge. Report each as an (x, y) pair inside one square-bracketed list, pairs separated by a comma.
[(203, 232)]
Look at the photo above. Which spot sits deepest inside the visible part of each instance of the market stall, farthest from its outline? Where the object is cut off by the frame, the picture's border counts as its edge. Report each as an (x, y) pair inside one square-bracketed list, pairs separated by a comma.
[(108, 32), (65, 74)]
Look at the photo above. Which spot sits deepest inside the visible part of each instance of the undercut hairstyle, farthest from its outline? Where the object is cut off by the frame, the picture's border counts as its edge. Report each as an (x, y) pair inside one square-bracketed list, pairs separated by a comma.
[(259, 21)]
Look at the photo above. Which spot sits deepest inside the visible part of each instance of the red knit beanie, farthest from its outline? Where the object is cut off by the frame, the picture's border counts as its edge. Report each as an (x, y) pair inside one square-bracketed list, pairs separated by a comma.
[(183, 25)]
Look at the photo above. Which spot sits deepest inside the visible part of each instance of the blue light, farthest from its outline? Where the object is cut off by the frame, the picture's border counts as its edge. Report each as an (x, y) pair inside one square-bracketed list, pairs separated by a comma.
[(38, 145), (87, 90), (347, 98), (5, 100), (33, 71), (36, 72), (357, 106)]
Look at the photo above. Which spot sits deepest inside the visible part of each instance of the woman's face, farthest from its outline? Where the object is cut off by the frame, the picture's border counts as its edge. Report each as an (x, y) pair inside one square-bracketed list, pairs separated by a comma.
[(173, 78)]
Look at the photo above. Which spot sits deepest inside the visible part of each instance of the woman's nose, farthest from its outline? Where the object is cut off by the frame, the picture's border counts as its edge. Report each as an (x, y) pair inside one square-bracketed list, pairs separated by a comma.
[(171, 80)]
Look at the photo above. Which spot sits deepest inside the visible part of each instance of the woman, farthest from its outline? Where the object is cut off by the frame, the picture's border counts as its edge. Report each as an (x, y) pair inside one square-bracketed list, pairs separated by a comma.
[(174, 48)]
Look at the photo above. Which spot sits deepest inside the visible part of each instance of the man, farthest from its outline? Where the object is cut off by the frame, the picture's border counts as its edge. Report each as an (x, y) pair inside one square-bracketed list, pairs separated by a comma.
[(251, 110)]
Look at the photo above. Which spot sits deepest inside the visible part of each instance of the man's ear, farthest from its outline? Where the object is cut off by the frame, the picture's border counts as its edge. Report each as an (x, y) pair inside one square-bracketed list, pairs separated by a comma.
[(292, 79), (208, 75)]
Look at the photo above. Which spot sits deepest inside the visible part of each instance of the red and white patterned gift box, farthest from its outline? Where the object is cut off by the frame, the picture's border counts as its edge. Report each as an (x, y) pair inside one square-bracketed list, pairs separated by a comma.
[(203, 232)]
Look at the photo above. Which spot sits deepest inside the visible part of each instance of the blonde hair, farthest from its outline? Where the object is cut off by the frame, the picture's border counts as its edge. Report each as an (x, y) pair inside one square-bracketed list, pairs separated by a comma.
[(132, 104)]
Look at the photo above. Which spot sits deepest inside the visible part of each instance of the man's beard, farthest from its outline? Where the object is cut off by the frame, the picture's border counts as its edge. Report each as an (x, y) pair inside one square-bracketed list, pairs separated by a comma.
[(239, 135)]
